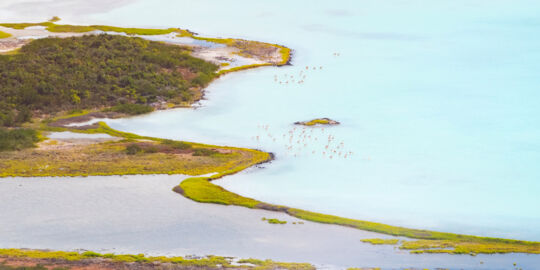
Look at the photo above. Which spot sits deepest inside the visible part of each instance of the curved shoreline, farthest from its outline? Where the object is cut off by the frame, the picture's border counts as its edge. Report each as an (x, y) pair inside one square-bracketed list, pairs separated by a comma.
[(201, 189)]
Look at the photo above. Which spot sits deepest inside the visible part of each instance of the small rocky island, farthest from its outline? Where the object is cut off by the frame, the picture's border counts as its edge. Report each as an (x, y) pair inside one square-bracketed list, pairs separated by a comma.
[(318, 121)]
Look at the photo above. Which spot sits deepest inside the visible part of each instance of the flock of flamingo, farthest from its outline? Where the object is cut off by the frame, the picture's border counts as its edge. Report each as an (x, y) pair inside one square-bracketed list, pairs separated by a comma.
[(300, 77), (306, 141)]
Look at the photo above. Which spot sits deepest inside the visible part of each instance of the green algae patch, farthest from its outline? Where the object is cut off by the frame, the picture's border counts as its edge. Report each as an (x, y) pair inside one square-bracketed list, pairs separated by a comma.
[(4, 35), (49, 259), (379, 241)]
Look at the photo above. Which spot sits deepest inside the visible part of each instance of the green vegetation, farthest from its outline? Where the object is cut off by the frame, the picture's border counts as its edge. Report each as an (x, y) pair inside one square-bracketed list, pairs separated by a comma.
[(53, 258), (4, 35), (54, 74), (17, 139), (201, 190), (378, 241), (131, 109), (274, 221)]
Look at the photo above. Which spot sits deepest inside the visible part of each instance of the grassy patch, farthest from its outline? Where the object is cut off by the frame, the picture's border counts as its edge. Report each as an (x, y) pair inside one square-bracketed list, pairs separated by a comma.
[(4, 35), (201, 190), (274, 221), (379, 241)]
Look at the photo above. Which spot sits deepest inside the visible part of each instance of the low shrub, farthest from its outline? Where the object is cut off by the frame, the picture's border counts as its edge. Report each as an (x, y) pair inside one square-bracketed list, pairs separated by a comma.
[(131, 109), (17, 139)]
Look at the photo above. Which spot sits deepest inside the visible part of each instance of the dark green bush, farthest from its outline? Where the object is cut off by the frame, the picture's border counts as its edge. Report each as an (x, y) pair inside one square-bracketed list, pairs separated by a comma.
[(61, 74), (204, 152), (132, 109), (17, 139), (177, 144), (133, 149)]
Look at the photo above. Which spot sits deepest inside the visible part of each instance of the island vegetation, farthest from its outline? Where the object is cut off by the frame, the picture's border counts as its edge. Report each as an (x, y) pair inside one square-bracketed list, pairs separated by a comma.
[(318, 121), (97, 71)]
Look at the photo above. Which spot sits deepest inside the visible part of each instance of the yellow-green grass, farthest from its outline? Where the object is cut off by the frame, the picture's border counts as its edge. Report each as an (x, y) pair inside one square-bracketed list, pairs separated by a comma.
[(200, 189), (52, 27), (4, 35), (205, 262), (110, 158), (318, 121), (379, 241), (469, 247)]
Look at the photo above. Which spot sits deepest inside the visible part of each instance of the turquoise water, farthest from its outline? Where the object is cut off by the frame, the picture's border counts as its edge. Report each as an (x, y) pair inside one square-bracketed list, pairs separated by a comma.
[(438, 104)]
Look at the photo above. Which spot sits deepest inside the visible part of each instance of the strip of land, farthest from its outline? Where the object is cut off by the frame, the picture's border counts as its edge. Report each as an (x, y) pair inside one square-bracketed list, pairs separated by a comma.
[(43, 259)]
